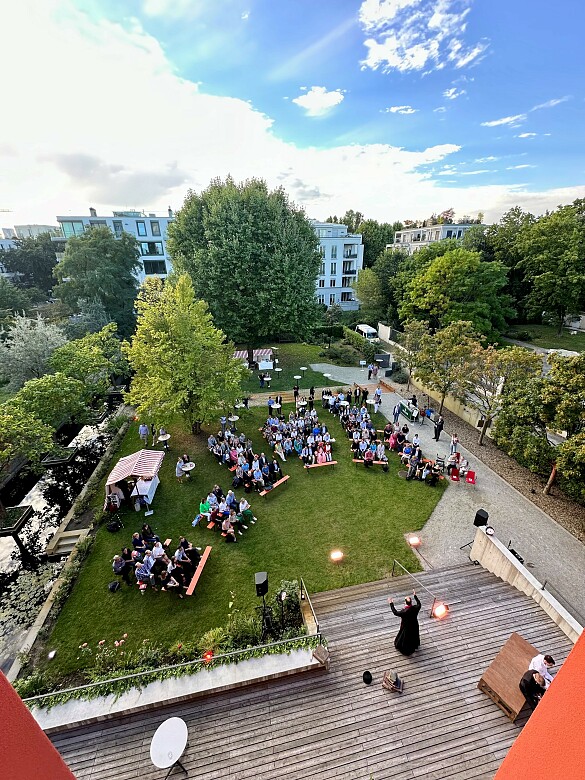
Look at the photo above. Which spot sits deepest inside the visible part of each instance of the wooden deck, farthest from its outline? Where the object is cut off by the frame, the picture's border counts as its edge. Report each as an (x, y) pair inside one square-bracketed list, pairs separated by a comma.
[(333, 726)]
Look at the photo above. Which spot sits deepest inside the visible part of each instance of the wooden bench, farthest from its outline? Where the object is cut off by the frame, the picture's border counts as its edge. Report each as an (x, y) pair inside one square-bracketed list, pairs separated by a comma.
[(210, 525), (374, 462), (198, 571), (276, 484), (318, 465), (501, 679)]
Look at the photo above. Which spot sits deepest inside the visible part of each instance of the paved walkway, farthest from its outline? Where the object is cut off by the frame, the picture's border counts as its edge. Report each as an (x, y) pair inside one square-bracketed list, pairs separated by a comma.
[(549, 551)]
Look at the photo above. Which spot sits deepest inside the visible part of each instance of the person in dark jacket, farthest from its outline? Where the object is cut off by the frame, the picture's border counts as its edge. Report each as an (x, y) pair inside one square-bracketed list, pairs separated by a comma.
[(121, 568), (532, 685), (439, 425), (408, 638)]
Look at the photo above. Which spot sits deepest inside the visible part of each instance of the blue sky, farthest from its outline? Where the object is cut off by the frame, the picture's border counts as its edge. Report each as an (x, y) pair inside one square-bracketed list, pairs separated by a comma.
[(397, 108)]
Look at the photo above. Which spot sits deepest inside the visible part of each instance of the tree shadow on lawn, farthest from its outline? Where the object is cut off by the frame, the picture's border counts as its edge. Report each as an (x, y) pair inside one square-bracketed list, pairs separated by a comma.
[(365, 513)]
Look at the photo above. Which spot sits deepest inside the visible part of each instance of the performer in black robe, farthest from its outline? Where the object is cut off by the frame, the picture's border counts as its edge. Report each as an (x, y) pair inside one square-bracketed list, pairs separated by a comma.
[(408, 638)]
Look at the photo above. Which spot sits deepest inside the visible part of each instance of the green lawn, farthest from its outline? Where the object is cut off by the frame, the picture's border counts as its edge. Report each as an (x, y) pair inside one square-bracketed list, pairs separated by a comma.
[(546, 336), (364, 513)]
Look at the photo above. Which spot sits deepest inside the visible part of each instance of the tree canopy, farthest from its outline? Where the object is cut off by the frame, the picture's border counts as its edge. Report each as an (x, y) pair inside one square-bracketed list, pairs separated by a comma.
[(97, 265), (26, 348), (22, 434), (33, 260), (375, 236), (252, 256), (53, 399), (182, 362), (459, 286)]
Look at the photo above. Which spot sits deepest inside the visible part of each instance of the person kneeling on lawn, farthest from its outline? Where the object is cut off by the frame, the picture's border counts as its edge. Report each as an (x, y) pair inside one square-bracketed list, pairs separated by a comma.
[(168, 582)]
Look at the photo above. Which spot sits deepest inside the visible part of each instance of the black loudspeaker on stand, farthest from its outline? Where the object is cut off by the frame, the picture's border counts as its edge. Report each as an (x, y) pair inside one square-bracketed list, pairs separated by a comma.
[(261, 578), (481, 519)]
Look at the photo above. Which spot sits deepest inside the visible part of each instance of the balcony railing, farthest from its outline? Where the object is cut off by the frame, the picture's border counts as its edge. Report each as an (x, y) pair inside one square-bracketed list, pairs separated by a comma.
[(349, 272), (351, 255)]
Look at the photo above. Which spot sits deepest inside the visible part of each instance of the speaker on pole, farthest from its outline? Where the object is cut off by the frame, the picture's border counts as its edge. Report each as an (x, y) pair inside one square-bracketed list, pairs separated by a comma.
[(261, 578), (481, 518)]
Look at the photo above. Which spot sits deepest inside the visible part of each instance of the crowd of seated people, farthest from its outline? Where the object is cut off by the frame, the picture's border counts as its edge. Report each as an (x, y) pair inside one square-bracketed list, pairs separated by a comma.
[(230, 515), (147, 563), (251, 471), (301, 435)]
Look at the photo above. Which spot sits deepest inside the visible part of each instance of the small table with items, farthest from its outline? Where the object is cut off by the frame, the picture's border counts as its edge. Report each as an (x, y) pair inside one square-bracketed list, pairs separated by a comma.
[(187, 468)]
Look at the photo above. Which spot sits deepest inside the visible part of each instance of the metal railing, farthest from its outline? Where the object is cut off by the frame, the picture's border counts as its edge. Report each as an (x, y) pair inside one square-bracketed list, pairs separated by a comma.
[(424, 587), (546, 585), (304, 596), (202, 661)]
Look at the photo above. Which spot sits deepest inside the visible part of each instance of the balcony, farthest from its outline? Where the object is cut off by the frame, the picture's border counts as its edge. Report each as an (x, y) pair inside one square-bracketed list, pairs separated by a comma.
[(349, 271), (352, 254)]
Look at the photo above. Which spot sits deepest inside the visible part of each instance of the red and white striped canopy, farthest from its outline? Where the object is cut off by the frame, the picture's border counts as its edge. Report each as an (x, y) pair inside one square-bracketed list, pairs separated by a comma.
[(145, 464), (259, 354)]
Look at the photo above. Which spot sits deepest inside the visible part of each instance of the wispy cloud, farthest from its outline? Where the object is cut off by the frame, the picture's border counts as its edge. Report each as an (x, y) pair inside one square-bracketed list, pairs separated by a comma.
[(452, 93), (475, 173), (526, 135), (519, 167), (411, 35), (439, 110), (245, 16), (513, 121), (292, 66), (551, 103), (401, 110), (317, 101)]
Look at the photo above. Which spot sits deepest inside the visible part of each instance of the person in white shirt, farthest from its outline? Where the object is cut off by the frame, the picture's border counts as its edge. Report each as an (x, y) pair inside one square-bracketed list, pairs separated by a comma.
[(543, 664)]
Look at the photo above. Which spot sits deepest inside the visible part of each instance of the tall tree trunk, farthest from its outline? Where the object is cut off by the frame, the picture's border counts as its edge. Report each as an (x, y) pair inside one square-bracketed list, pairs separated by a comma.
[(551, 479), (484, 428), (442, 402), (196, 428), (250, 349)]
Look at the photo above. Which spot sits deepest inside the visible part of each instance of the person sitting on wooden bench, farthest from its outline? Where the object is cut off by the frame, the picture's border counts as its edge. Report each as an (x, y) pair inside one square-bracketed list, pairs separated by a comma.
[(532, 685), (368, 458), (245, 510), (228, 531)]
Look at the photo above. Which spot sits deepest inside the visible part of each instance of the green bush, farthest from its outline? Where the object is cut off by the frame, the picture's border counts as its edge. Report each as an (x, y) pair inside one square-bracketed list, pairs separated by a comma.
[(400, 376), (363, 346)]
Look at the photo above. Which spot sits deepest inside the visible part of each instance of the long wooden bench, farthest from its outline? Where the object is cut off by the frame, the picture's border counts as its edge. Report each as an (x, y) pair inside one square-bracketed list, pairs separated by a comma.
[(374, 462), (501, 679), (198, 570), (318, 465), (275, 485)]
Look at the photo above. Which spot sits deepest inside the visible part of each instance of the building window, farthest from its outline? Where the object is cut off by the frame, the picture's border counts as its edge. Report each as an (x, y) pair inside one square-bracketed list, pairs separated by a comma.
[(347, 281), (332, 283), (333, 268), (118, 229), (321, 299), (334, 252), (321, 282), (141, 228), (151, 247), (332, 299), (346, 296), (322, 269), (154, 267), (322, 250), (155, 228), (72, 229), (449, 234)]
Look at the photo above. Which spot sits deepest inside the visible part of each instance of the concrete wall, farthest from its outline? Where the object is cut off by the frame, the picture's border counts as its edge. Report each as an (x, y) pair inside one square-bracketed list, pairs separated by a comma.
[(495, 557)]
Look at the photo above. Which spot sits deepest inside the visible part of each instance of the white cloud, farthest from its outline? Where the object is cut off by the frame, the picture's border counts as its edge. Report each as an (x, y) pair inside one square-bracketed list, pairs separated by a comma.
[(513, 121), (245, 16), (106, 150), (475, 173), (452, 93), (317, 101), (526, 135), (408, 35), (401, 110), (490, 158), (519, 167), (550, 103), (439, 110)]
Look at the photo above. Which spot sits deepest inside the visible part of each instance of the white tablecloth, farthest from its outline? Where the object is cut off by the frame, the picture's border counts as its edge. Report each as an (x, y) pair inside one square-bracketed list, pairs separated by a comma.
[(146, 489)]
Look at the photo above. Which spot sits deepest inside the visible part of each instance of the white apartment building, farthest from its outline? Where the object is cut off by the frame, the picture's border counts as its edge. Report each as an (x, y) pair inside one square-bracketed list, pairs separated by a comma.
[(412, 239), (342, 256), (149, 230), (33, 231)]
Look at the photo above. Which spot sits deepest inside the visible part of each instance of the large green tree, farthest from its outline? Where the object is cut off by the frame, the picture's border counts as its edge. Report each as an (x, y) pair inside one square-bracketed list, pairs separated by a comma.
[(33, 260), (411, 341), (375, 236), (13, 300), (252, 256), (54, 399), (97, 265), (182, 363), (444, 360), (459, 286), (368, 291), (554, 264)]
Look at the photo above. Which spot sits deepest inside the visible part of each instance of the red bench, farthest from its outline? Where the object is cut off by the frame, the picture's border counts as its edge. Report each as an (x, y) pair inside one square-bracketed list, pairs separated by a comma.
[(198, 571)]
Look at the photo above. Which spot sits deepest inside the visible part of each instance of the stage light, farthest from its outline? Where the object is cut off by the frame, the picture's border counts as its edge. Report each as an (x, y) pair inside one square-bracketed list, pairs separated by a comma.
[(51, 655), (440, 610), (207, 656), (414, 540), (336, 556)]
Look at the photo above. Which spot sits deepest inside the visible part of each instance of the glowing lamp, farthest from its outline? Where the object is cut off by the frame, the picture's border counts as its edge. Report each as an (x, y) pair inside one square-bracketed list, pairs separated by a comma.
[(414, 541), (336, 556), (440, 610), (207, 656)]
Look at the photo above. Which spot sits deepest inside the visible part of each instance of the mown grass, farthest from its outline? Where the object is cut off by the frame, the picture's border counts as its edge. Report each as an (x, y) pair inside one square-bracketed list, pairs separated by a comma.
[(364, 513), (546, 336), (291, 357)]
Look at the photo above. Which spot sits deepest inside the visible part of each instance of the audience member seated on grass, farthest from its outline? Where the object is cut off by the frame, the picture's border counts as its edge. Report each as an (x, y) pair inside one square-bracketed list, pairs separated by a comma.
[(122, 568), (246, 511), (168, 582), (158, 552), (138, 543), (149, 535)]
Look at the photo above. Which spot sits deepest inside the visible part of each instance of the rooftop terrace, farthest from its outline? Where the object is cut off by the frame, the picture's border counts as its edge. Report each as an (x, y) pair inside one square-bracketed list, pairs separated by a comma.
[(331, 725)]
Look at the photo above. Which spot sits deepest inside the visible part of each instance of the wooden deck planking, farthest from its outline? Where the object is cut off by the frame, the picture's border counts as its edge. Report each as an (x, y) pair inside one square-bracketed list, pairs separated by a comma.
[(332, 725)]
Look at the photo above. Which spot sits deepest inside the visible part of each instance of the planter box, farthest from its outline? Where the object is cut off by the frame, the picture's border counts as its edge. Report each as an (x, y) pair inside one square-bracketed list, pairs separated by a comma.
[(56, 459), (15, 518), (226, 677)]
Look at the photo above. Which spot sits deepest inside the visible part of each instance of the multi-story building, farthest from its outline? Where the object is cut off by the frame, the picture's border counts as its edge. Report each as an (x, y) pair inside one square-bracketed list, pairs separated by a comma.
[(33, 231), (342, 256), (149, 230), (412, 239)]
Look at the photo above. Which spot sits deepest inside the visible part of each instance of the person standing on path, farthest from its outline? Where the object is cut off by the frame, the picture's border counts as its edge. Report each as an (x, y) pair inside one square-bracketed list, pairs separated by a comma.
[(396, 413), (454, 444), (408, 637), (143, 433), (370, 369), (439, 425)]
